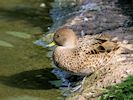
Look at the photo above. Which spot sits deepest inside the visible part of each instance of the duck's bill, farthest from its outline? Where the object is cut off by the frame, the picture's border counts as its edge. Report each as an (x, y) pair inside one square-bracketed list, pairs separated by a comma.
[(51, 44)]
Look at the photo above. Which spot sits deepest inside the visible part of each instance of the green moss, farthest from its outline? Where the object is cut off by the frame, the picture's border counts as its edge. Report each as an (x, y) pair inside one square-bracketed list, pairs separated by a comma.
[(122, 91)]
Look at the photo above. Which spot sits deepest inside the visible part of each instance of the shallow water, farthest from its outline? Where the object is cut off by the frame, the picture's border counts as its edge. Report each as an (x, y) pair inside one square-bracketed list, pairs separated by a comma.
[(25, 71)]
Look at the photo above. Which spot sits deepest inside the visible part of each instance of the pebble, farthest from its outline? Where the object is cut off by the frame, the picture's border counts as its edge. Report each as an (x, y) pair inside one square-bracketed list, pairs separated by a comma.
[(42, 5)]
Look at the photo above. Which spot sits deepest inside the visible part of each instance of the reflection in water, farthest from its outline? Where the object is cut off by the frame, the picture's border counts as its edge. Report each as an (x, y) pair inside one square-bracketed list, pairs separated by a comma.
[(34, 79)]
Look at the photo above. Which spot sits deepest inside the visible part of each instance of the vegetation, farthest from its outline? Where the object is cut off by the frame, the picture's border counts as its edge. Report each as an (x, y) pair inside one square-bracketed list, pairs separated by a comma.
[(122, 91)]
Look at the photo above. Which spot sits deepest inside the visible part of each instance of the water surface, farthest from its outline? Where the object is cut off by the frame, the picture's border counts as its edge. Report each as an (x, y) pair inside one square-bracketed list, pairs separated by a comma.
[(24, 67)]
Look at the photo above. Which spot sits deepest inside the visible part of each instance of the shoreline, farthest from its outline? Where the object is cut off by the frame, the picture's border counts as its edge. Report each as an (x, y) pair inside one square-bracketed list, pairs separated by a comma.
[(90, 17)]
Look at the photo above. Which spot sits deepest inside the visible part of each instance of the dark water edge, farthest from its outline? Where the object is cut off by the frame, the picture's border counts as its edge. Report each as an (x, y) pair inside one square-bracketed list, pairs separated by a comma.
[(127, 9), (25, 71)]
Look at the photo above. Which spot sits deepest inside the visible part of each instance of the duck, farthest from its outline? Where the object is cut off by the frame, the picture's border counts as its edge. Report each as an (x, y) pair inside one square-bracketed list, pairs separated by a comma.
[(82, 55)]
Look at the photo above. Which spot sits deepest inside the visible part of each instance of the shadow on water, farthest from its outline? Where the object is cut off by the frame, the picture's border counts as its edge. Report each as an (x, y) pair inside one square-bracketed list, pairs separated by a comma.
[(34, 79), (127, 9)]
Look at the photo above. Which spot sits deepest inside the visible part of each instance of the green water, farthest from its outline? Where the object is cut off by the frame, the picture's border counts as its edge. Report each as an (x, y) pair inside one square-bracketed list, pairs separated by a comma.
[(24, 67)]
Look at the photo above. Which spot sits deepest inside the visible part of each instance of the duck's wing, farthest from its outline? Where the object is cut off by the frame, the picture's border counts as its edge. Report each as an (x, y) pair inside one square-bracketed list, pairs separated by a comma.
[(98, 44), (106, 43), (94, 39), (107, 46), (104, 37)]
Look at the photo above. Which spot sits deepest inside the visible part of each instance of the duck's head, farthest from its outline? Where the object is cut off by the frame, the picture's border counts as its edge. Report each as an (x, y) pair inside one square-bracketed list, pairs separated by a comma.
[(65, 37)]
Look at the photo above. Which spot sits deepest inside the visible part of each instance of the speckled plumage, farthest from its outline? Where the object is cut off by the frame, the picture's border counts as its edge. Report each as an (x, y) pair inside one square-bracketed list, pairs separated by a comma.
[(82, 56)]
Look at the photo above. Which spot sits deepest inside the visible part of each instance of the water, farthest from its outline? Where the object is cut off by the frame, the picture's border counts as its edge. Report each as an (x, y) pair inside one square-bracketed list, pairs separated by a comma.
[(25, 71)]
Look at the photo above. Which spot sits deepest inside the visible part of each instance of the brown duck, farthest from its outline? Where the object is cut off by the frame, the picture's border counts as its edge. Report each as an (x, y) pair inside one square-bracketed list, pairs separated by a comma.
[(84, 55)]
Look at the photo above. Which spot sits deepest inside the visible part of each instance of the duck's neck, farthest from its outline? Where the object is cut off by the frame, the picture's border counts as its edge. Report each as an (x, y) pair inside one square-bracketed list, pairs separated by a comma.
[(69, 45), (64, 50), (72, 43)]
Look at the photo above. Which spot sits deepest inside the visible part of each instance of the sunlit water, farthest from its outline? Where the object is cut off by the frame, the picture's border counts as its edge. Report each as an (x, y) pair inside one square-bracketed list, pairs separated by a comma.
[(25, 71)]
